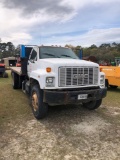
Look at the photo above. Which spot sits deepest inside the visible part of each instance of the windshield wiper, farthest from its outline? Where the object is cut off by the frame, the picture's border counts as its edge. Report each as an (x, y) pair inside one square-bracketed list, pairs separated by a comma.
[(66, 55), (48, 54)]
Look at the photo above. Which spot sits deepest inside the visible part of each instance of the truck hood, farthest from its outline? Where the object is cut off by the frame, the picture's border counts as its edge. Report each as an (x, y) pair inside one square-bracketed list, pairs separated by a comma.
[(66, 62)]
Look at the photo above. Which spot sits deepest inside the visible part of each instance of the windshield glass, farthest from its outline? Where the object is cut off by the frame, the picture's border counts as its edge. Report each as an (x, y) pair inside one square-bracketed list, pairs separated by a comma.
[(56, 52)]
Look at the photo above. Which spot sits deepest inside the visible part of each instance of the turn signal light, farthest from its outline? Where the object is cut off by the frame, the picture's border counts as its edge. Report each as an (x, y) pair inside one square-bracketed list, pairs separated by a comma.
[(100, 69), (48, 69)]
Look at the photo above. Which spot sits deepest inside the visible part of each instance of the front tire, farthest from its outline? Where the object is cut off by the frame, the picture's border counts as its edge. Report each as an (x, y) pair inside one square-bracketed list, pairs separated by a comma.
[(92, 104), (39, 108)]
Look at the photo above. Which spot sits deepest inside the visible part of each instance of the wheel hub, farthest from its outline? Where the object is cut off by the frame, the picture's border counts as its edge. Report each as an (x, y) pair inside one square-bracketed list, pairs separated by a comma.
[(35, 101)]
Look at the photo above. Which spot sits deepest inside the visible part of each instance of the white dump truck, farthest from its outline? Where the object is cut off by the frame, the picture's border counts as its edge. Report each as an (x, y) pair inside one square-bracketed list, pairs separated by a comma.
[(56, 76)]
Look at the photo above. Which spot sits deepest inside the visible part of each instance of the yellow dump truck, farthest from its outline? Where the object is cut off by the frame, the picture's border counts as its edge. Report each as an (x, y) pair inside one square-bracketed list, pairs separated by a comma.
[(112, 75)]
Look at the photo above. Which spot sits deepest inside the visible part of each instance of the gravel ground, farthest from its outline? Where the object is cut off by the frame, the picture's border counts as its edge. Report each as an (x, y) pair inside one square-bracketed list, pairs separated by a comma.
[(68, 133)]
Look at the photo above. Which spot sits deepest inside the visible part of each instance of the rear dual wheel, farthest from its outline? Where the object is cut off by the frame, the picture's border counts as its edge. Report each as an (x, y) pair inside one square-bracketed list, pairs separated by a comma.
[(15, 80)]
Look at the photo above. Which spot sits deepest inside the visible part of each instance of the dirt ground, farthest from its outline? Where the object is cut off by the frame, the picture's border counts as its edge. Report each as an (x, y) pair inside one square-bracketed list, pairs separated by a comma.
[(68, 133)]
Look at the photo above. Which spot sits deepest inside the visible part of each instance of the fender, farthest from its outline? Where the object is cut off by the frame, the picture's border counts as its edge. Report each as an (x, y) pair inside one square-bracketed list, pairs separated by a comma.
[(40, 76)]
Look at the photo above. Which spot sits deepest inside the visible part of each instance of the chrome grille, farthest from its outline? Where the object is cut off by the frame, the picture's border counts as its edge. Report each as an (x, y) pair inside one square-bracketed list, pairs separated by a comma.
[(78, 76)]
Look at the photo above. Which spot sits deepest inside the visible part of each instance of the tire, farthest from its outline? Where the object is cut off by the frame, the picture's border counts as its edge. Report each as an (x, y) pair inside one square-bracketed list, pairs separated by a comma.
[(20, 82), (92, 104), (15, 80), (5, 75), (39, 108), (112, 86), (106, 83)]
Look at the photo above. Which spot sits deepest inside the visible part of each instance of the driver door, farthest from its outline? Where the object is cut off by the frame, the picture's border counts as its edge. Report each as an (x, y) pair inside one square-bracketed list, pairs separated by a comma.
[(32, 62)]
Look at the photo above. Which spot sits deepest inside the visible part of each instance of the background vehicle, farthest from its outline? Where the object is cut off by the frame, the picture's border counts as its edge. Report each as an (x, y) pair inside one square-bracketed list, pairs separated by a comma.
[(112, 75), (2, 71), (56, 76)]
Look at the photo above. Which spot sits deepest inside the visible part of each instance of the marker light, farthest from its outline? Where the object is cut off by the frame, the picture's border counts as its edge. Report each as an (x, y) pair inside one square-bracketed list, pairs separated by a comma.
[(48, 69)]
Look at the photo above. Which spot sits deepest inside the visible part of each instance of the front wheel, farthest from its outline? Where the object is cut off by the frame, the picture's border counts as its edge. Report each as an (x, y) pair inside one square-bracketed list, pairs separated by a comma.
[(92, 104), (39, 108)]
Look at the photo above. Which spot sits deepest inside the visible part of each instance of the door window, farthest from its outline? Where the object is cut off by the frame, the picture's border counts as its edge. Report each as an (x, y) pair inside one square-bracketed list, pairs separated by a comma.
[(33, 56)]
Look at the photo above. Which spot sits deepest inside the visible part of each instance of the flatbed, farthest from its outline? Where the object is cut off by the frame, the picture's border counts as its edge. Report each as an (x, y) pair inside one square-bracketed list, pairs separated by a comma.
[(16, 70)]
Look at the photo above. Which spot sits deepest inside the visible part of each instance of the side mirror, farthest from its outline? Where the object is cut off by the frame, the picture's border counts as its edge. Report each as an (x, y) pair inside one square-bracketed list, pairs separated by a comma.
[(32, 60)]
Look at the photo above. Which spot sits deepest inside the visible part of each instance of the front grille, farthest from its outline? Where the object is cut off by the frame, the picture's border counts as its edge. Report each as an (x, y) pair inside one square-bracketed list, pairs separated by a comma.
[(78, 76)]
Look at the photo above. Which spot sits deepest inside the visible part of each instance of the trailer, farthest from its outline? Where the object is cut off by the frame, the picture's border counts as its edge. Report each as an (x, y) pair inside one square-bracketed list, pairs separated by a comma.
[(53, 75)]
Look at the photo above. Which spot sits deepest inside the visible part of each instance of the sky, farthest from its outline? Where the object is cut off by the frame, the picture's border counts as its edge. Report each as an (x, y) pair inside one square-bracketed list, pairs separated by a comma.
[(60, 22)]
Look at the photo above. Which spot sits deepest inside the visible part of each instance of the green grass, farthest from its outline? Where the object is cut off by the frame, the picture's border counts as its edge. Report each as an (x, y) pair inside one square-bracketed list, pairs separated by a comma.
[(14, 103), (113, 98)]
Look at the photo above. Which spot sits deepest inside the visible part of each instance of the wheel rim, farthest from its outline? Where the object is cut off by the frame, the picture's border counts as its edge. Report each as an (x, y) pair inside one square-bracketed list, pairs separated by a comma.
[(35, 101)]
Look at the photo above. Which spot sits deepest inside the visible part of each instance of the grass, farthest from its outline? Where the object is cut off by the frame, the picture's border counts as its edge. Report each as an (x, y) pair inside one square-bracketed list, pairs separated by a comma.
[(113, 98), (14, 103)]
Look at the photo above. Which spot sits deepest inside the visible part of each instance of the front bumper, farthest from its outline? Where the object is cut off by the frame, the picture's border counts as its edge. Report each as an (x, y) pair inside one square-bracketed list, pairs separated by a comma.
[(59, 97)]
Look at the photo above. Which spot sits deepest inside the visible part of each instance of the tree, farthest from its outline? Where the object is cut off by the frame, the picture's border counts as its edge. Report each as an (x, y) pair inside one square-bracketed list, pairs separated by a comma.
[(105, 45), (105, 51), (7, 50), (93, 46)]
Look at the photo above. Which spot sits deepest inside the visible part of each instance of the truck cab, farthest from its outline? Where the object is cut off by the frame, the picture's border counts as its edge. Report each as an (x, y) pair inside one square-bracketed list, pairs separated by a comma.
[(56, 76)]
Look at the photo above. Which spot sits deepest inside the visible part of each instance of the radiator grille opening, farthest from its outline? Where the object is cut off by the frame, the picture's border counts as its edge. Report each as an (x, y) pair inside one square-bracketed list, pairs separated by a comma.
[(78, 76)]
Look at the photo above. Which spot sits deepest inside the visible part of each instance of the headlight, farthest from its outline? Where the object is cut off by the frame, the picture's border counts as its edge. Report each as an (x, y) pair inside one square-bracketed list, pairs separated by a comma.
[(50, 81), (102, 79)]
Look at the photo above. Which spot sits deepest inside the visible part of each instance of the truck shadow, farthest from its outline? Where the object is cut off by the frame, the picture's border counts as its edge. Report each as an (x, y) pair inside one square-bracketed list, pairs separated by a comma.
[(76, 126), (65, 115), (116, 90), (61, 118)]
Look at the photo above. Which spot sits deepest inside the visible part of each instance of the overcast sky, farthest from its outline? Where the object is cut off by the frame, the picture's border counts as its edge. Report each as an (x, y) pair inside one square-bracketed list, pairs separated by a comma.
[(60, 22)]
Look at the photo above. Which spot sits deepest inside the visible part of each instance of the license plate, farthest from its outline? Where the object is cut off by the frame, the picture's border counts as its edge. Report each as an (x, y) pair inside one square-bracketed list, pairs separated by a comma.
[(82, 96)]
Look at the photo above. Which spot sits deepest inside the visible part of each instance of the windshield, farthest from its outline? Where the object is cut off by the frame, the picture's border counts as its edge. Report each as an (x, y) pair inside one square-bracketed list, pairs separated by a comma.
[(56, 52)]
